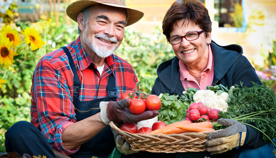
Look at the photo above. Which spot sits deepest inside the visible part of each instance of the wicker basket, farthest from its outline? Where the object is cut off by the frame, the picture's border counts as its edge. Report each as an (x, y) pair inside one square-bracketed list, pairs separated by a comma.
[(166, 143)]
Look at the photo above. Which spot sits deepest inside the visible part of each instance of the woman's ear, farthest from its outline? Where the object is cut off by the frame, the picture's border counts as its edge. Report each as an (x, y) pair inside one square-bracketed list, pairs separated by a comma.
[(81, 21), (209, 38)]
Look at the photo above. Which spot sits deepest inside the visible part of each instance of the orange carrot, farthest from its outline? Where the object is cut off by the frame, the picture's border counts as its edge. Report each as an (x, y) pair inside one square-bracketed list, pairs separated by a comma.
[(175, 127), (205, 124), (171, 128), (195, 128)]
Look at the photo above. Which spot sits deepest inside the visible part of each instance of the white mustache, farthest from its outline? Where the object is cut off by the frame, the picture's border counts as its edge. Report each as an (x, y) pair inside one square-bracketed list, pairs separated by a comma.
[(105, 37)]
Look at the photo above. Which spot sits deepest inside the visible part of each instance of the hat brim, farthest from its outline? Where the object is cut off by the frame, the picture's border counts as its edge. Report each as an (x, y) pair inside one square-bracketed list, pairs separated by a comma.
[(76, 7)]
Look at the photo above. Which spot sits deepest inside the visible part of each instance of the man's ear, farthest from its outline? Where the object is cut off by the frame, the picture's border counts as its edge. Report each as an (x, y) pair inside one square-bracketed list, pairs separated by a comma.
[(81, 21)]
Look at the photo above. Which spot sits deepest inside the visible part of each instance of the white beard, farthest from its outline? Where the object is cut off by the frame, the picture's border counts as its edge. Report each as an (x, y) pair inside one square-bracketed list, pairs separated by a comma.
[(102, 52)]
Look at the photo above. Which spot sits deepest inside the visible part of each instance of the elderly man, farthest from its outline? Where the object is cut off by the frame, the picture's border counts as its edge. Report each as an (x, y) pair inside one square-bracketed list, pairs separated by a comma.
[(76, 89)]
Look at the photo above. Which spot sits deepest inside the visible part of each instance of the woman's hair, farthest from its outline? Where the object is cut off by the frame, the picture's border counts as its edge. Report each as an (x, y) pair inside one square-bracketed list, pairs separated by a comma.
[(190, 11)]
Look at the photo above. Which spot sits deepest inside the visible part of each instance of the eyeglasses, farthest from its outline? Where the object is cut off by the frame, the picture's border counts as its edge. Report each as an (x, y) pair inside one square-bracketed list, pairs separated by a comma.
[(190, 36)]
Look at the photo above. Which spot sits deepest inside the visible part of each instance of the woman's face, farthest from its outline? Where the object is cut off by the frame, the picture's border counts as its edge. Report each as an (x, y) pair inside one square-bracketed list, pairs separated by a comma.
[(190, 52)]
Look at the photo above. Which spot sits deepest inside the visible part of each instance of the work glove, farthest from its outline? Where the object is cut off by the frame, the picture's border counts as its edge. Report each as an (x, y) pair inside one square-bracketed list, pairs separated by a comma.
[(221, 141), (119, 112), (123, 146)]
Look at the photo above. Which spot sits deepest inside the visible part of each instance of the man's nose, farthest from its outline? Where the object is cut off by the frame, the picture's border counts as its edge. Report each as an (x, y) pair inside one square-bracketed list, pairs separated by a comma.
[(110, 30)]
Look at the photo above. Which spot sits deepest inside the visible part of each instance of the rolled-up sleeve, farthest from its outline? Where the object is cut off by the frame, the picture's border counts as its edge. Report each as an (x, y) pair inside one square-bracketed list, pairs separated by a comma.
[(52, 107)]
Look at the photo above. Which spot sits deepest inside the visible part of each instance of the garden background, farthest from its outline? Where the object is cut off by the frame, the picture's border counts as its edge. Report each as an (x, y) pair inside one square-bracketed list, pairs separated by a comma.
[(30, 29)]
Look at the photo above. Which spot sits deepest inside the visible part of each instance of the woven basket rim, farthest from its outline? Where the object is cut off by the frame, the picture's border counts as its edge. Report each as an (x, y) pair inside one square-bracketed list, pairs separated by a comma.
[(158, 143)]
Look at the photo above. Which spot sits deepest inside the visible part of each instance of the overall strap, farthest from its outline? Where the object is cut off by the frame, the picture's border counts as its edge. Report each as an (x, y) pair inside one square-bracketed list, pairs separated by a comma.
[(77, 83), (111, 87)]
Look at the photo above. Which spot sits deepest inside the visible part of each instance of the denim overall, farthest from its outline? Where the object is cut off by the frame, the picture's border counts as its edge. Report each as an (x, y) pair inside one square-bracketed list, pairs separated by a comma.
[(103, 143)]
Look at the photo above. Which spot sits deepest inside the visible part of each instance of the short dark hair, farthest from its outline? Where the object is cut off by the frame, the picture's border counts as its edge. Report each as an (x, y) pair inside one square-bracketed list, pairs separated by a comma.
[(190, 11)]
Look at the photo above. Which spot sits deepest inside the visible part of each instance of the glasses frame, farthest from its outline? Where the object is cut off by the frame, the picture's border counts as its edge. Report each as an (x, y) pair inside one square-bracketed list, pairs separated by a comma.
[(181, 37)]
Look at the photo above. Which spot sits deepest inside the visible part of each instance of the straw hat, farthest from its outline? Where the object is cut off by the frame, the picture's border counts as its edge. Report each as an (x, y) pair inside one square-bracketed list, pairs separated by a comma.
[(79, 5)]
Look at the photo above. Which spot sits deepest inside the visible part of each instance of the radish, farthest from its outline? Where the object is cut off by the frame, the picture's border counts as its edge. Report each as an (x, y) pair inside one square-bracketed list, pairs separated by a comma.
[(194, 115), (193, 106), (188, 119), (203, 110), (213, 114), (187, 114), (200, 104), (205, 117), (188, 110)]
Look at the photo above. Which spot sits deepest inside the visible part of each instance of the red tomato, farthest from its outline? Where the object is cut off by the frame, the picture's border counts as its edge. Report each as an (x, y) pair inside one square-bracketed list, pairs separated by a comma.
[(127, 94), (137, 106), (203, 110), (194, 115), (129, 127), (153, 102), (143, 96), (144, 130), (158, 124)]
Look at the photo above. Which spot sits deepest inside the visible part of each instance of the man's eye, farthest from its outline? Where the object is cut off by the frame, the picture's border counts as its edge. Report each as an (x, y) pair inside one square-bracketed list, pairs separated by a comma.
[(120, 26), (102, 22)]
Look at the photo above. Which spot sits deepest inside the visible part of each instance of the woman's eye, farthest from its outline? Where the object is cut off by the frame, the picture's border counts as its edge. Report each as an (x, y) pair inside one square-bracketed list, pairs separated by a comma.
[(175, 38), (191, 34)]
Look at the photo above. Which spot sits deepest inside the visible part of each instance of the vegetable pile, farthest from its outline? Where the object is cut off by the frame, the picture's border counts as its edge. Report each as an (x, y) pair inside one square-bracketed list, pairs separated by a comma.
[(253, 106), (197, 112)]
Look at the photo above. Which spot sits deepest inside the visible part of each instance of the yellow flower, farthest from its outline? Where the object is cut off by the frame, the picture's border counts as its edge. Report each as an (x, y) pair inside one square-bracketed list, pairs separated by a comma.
[(32, 37), (1, 82), (44, 17), (38, 27), (11, 34), (9, 13), (6, 52)]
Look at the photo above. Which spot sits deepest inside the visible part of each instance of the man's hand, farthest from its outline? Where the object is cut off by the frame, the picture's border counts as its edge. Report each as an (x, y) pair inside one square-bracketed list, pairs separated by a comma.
[(119, 112), (121, 144), (227, 139)]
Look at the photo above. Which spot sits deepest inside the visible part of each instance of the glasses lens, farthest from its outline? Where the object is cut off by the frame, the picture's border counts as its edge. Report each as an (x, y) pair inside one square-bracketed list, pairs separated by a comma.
[(175, 39), (191, 36)]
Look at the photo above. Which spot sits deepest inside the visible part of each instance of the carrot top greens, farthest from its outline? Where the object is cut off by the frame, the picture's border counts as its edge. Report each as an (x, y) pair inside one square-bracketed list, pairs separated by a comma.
[(253, 106)]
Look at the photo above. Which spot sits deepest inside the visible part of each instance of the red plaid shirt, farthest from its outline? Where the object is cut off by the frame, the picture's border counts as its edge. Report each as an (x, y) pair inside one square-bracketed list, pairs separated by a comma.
[(52, 107)]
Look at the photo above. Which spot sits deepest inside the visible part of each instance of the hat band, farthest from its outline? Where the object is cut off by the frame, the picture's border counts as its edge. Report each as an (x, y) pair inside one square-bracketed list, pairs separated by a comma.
[(117, 2)]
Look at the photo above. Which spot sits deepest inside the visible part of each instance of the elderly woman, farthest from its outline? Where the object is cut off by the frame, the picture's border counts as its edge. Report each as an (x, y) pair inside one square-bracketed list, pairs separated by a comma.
[(200, 62)]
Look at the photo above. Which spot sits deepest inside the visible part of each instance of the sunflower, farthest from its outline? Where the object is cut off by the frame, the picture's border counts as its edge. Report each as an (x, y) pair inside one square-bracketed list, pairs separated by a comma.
[(11, 34), (1, 82), (32, 37), (6, 52)]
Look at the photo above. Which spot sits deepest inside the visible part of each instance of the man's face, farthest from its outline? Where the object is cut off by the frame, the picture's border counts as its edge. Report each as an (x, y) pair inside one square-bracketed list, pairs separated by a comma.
[(104, 30)]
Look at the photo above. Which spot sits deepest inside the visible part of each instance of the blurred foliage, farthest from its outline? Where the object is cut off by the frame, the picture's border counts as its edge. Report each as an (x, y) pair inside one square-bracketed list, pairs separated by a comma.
[(10, 15), (237, 15), (272, 55), (145, 53), (15, 98)]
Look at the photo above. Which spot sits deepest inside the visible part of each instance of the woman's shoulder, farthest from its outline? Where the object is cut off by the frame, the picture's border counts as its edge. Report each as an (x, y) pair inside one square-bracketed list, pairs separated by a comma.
[(168, 66), (230, 50)]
